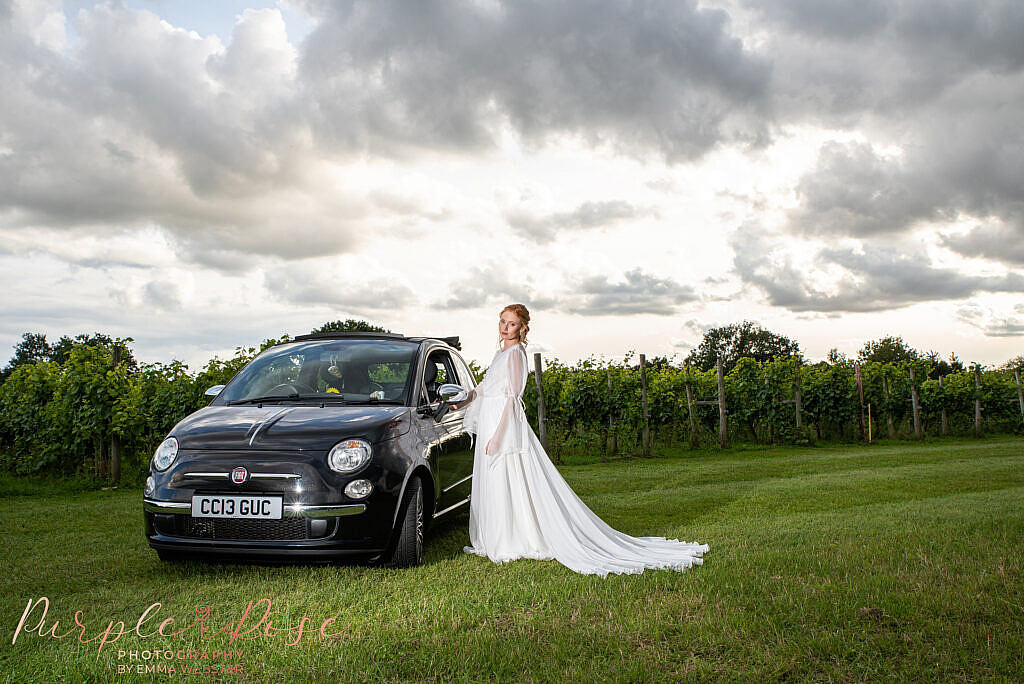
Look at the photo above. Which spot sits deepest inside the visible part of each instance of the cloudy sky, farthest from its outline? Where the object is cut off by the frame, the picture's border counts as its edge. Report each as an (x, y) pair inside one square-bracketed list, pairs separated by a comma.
[(203, 175)]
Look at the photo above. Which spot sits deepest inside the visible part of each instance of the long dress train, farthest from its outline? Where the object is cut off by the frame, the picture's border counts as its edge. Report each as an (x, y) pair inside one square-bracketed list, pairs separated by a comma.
[(521, 507)]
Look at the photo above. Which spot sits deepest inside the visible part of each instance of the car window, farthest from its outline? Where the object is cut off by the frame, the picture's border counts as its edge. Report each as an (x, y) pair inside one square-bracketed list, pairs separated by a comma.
[(441, 362), (466, 378), (354, 369)]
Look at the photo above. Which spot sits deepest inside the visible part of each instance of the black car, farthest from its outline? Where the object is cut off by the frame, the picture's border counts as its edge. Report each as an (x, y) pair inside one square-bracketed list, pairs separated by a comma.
[(330, 446)]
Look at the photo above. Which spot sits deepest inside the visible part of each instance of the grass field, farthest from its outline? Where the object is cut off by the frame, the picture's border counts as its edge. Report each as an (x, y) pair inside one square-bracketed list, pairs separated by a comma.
[(852, 563)]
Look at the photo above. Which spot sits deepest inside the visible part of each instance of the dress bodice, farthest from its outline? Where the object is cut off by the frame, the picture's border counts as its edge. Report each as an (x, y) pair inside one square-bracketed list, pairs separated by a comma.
[(496, 382), (499, 393)]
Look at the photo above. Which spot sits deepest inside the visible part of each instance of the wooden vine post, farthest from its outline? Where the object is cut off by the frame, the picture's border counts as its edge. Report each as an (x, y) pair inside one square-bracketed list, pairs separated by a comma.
[(796, 394), (723, 439), (1020, 394), (795, 400), (689, 410), (977, 401), (646, 440), (860, 400), (542, 421), (888, 409), (916, 405), (612, 441), (944, 423), (115, 441)]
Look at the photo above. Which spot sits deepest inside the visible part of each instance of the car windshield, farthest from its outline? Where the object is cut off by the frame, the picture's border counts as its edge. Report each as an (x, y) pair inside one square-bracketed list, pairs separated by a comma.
[(336, 370)]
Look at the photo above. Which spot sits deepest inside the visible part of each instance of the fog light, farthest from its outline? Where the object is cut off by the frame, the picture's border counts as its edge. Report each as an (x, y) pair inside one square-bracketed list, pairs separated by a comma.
[(150, 486), (358, 489)]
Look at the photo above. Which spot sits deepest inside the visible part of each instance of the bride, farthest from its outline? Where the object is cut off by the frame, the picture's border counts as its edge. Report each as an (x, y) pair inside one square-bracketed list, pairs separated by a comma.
[(520, 506)]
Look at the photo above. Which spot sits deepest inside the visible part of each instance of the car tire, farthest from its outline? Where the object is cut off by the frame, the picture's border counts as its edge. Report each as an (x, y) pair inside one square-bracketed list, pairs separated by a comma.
[(408, 551)]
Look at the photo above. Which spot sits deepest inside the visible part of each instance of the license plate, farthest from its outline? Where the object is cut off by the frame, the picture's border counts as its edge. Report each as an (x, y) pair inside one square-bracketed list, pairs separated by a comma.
[(236, 506)]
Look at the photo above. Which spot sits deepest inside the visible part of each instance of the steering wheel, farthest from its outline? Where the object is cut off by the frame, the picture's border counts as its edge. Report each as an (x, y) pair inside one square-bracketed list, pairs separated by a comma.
[(291, 388), (376, 387)]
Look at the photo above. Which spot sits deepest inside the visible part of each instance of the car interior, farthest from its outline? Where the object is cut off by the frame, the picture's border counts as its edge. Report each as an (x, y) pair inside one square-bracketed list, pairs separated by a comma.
[(438, 371)]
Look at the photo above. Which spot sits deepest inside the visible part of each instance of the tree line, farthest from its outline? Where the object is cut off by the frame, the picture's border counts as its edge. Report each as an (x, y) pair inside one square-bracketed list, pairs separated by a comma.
[(68, 409)]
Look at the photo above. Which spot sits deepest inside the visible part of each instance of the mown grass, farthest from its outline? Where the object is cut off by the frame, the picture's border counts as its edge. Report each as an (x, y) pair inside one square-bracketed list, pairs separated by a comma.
[(845, 563)]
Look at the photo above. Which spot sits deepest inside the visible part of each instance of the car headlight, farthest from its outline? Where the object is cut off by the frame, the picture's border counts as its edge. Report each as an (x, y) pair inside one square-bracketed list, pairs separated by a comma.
[(165, 454), (349, 455), (358, 489)]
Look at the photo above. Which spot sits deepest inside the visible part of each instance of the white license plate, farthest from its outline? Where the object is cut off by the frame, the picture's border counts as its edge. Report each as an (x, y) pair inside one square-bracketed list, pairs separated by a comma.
[(236, 506)]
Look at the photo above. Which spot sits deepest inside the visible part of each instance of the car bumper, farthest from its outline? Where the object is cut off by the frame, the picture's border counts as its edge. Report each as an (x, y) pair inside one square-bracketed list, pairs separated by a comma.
[(289, 510), (304, 531)]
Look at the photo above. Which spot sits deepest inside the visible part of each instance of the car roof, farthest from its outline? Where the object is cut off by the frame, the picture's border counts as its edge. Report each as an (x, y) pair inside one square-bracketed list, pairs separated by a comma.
[(451, 341)]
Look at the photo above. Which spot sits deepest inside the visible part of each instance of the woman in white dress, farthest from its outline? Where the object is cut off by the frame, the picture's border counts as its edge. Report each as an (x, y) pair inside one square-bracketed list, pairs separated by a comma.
[(520, 506)]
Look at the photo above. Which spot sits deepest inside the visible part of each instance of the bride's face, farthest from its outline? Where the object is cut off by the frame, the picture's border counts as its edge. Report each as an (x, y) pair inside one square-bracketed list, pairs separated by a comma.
[(509, 326)]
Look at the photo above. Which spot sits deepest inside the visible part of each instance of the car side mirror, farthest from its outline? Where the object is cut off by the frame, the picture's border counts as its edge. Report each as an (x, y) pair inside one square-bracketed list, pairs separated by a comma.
[(452, 392), (214, 391)]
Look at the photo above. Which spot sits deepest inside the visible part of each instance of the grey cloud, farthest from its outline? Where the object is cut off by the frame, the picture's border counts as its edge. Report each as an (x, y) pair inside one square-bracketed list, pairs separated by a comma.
[(655, 75), (544, 229), (311, 287), (855, 190), (1005, 328), (992, 323), (485, 285), (878, 279), (161, 295), (641, 293), (998, 242), (942, 82), (833, 18), (149, 126), (836, 59)]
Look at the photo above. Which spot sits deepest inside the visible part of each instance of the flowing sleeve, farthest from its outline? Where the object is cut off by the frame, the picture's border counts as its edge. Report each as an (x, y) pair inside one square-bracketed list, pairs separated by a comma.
[(471, 417), (507, 436)]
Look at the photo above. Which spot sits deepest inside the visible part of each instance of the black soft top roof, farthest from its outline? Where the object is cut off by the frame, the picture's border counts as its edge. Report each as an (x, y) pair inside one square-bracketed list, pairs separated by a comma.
[(451, 341)]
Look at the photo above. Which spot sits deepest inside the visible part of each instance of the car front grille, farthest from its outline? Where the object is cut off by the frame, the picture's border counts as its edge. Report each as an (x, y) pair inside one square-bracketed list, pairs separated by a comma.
[(232, 528)]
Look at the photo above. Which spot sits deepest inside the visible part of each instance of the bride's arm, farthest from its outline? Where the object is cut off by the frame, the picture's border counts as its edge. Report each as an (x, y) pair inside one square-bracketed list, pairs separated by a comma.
[(514, 386), (469, 399)]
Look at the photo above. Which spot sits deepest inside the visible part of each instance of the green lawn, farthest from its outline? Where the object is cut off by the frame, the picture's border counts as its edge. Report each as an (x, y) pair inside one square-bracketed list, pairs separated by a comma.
[(852, 563)]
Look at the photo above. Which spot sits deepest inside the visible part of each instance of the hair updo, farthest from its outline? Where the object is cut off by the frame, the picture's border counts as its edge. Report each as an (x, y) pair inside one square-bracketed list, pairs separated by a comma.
[(524, 317)]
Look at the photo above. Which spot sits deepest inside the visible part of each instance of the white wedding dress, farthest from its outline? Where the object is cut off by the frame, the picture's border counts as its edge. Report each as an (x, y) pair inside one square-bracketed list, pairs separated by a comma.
[(521, 507)]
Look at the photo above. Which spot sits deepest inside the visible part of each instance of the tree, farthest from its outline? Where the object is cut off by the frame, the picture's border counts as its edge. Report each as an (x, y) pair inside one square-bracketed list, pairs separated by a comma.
[(655, 363), (732, 342), (941, 367), (349, 325), (32, 348), (888, 350), (61, 350), (835, 356), (1016, 363)]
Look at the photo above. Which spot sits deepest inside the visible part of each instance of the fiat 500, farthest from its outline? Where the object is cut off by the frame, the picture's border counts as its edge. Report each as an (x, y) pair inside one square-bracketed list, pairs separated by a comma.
[(329, 447)]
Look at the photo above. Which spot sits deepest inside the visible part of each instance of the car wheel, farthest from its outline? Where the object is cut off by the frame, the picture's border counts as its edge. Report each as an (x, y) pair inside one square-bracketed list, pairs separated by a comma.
[(408, 550)]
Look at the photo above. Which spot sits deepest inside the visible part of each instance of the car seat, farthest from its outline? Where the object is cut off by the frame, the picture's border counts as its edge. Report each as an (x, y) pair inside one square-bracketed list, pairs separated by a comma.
[(430, 380)]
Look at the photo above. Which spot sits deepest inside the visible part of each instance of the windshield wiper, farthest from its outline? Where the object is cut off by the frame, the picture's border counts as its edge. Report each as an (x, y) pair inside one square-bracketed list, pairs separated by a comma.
[(260, 400), (321, 398)]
